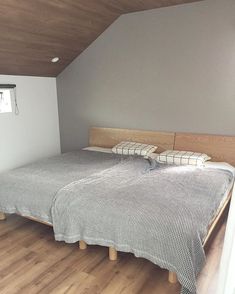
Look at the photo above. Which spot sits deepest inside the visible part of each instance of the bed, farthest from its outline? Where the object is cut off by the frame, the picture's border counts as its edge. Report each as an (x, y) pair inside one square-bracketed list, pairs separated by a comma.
[(61, 171)]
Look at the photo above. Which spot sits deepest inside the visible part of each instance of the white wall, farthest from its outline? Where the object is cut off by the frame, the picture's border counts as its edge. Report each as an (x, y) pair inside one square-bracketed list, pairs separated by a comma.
[(226, 284), (34, 133), (167, 69)]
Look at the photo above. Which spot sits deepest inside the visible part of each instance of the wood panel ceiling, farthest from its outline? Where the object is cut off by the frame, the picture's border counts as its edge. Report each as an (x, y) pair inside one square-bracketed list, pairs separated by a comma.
[(33, 32)]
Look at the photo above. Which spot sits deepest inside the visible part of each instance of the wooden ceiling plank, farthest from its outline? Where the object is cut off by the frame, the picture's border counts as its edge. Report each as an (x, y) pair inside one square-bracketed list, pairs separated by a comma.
[(32, 32)]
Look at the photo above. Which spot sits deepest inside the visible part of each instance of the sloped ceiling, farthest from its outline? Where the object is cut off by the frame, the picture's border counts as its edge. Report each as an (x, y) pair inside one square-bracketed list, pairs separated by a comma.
[(32, 32)]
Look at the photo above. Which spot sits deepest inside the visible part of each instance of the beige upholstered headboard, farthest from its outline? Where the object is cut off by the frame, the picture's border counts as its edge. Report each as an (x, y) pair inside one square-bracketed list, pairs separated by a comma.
[(220, 148)]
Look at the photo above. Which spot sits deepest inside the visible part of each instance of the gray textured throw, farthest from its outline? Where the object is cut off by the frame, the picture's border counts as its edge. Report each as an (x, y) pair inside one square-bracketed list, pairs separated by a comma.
[(30, 190), (161, 215)]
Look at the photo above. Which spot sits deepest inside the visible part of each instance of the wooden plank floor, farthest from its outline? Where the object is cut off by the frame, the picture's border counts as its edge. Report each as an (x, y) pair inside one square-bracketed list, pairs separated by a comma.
[(32, 262)]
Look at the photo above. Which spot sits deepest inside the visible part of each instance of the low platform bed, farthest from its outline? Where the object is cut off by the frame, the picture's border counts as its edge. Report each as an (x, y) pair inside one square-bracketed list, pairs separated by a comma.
[(220, 148)]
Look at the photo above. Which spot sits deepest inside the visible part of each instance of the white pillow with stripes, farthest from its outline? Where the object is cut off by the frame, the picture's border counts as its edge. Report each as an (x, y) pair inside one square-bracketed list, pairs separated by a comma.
[(182, 157), (133, 148)]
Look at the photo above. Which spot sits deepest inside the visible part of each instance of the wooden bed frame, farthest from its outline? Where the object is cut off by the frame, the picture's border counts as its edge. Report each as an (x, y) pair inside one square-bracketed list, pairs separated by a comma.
[(220, 148)]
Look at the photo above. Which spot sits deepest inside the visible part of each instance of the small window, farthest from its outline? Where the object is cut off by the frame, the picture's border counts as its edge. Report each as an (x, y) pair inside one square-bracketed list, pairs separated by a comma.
[(5, 101)]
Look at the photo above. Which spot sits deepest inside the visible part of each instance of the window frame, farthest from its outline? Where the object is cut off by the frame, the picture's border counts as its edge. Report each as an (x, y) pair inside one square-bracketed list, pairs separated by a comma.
[(7, 92)]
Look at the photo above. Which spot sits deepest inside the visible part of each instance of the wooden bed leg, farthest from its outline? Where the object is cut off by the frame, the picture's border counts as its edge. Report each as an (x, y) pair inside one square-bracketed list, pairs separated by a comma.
[(172, 278), (82, 245), (2, 216), (112, 253)]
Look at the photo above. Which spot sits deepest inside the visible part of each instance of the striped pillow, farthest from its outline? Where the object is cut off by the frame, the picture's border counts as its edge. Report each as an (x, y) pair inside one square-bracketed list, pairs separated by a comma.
[(182, 157), (133, 148)]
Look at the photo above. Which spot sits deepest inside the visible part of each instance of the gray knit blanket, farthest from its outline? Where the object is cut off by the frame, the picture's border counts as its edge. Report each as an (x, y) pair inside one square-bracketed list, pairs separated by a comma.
[(161, 215), (30, 190)]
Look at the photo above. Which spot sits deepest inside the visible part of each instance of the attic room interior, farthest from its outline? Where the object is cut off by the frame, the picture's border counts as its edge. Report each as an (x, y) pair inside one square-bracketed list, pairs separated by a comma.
[(117, 147)]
